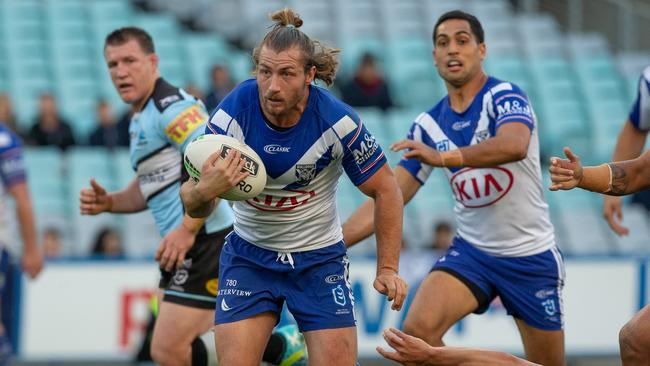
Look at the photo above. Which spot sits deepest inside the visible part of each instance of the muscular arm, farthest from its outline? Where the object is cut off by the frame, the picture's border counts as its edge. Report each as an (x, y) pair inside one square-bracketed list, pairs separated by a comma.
[(510, 144), (388, 209), (128, 200), (630, 176), (361, 224), (474, 357)]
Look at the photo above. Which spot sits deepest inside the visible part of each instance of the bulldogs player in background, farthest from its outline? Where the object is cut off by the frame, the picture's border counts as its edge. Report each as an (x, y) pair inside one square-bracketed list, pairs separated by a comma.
[(484, 136), (165, 120), (287, 242), (14, 183)]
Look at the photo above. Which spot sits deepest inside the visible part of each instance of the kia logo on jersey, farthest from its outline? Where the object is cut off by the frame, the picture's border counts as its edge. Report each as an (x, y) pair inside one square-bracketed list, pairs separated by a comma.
[(476, 188), (287, 203)]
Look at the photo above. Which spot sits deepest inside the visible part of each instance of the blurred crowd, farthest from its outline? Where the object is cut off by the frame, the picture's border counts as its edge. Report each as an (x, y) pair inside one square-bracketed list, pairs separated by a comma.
[(367, 87)]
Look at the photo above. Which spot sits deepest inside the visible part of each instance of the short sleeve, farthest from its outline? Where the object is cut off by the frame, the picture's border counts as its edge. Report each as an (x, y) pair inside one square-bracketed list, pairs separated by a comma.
[(640, 113), (512, 106), (12, 165), (184, 121), (414, 166), (362, 155)]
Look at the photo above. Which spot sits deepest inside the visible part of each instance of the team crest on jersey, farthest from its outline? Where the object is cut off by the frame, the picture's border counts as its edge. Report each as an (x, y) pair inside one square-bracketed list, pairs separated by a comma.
[(482, 135), (305, 173), (442, 145)]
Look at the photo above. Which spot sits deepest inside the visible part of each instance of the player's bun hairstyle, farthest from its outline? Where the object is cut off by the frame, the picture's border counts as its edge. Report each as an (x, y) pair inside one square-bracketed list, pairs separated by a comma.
[(285, 34), (122, 35), (474, 24)]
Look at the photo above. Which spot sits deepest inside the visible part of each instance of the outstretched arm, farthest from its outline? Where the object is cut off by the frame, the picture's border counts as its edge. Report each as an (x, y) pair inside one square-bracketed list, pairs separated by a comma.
[(616, 179), (411, 351), (510, 144)]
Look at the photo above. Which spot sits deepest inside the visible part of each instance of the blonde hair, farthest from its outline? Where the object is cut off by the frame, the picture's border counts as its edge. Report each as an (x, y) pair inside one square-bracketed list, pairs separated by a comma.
[(285, 34)]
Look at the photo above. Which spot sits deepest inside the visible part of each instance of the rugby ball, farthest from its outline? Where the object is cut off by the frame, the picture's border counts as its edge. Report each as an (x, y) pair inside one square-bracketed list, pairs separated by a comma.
[(198, 151)]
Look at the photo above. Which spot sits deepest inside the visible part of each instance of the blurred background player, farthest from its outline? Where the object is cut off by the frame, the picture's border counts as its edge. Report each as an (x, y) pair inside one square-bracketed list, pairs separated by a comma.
[(615, 179), (286, 245), (14, 184), (368, 86), (629, 146), (165, 120), (484, 135)]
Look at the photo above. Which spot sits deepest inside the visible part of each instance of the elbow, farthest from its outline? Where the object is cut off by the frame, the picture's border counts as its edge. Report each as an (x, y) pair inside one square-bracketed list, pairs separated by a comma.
[(516, 152)]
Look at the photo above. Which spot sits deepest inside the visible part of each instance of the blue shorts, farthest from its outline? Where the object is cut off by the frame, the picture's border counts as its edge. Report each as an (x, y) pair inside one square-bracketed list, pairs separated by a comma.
[(530, 287), (314, 284)]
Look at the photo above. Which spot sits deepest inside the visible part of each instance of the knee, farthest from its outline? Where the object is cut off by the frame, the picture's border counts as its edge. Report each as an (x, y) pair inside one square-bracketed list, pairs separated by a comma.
[(166, 354), (428, 331), (628, 340)]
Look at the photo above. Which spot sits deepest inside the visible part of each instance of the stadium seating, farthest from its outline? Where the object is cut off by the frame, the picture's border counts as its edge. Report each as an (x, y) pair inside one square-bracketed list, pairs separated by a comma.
[(580, 91)]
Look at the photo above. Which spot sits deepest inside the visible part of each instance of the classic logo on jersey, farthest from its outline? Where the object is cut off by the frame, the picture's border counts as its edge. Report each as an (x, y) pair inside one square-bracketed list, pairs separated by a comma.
[(250, 165), (273, 203), (365, 150), (442, 145), (305, 173), (459, 125), (275, 148), (509, 104), (185, 123), (476, 188)]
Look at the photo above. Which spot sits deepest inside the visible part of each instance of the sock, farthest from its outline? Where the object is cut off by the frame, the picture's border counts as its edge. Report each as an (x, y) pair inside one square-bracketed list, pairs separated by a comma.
[(203, 350), (274, 349)]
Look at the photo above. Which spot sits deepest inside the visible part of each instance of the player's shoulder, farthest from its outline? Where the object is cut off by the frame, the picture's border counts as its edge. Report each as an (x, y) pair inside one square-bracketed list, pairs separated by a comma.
[(496, 86), (329, 108), (242, 97), (166, 95)]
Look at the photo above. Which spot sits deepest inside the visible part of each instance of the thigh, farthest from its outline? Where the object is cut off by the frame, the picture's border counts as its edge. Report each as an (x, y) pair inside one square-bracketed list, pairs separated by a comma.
[(247, 283), (178, 325), (531, 288), (319, 294), (544, 347), (242, 343), (195, 283), (440, 301), (332, 346)]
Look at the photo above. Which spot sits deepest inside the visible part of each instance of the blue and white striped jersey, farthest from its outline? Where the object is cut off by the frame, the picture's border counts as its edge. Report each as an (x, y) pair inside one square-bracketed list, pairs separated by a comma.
[(12, 171), (499, 209), (159, 133), (296, 211), (640, 114)]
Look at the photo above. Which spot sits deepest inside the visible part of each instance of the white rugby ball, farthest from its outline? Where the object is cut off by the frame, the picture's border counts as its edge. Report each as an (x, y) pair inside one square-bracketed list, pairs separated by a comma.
[(198, 151)]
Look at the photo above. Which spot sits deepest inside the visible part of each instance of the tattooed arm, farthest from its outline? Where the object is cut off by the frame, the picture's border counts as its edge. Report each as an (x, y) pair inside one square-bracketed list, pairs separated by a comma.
[(631, 175), (614, 179)]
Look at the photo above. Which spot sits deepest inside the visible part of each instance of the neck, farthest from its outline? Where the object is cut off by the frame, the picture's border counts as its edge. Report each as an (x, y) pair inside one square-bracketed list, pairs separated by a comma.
[(460, 97), (139, 105), (291, 117)]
